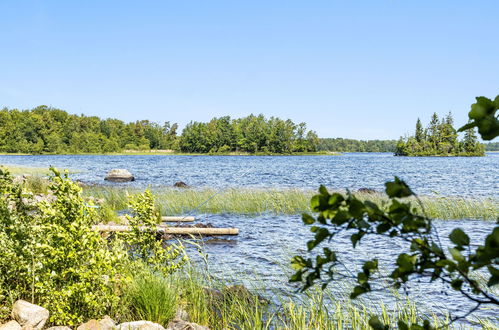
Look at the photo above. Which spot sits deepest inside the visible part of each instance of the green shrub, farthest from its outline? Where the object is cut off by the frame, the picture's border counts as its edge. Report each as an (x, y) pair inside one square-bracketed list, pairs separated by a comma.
[(51, 256), (143, 242)]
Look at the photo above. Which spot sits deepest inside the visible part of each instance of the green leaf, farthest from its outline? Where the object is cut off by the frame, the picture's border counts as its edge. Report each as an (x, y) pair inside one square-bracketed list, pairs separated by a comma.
[(398, 188), (456, 284), (402, 325), (456, 254), (357, 291), (376, 324), (494, 280), (307, 219), (323, 190), (459, 237)]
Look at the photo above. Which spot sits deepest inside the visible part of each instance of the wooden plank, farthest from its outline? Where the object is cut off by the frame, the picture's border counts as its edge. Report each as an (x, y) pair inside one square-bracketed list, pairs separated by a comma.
[(172, 230)]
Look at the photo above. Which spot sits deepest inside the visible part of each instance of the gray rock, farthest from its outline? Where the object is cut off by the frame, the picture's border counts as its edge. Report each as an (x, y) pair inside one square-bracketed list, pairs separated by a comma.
[(29, 315), (183, 325), (105, 324), (119, 175), (140, 325), (366, 191), (59, 327), (11, 325), (181, 314)]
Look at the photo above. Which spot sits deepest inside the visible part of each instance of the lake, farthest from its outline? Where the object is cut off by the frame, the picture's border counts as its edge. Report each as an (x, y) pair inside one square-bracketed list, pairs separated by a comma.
[(260, 255), (462, 176)]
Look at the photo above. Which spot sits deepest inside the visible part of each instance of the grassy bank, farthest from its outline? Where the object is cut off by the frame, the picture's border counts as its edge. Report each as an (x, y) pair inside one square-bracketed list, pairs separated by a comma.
[(292, 201), (25, 170), (209, 302)]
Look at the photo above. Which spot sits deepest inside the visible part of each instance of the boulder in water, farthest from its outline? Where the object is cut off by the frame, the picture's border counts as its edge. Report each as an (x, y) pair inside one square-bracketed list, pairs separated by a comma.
[(119, 175)]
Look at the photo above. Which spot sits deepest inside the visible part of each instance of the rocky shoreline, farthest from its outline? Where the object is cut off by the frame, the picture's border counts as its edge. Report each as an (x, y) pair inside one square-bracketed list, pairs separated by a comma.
[(27, 316)]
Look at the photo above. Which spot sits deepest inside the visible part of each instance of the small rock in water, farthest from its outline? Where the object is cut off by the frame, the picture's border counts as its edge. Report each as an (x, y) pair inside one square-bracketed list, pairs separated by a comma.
[(119, 175), (29, 315), (181, 184), (366, 191)]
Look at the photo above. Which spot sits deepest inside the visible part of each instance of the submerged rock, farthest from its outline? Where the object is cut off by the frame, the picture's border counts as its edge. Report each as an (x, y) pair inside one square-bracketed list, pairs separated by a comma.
[(181, 184), (119, 175), (29, 315), (366, 191)]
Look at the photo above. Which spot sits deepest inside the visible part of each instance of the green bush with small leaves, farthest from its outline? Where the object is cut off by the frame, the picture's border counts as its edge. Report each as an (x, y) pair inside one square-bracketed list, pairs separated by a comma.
[(50, 254)]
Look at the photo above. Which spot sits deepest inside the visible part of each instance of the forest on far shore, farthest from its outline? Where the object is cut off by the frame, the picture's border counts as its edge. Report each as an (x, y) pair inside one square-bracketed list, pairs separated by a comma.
[(46, 130)]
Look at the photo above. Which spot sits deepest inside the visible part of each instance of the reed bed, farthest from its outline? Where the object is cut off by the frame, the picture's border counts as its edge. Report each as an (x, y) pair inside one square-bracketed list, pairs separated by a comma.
[(210, 302), (291, 201)]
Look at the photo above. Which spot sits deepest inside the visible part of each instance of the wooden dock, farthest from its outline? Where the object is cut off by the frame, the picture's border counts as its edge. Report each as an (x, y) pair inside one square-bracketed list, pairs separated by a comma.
[(171, 230)]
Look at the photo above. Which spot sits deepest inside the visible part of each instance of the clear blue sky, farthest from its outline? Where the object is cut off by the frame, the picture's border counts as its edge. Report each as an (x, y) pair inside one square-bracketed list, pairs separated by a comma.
[(357, 69)]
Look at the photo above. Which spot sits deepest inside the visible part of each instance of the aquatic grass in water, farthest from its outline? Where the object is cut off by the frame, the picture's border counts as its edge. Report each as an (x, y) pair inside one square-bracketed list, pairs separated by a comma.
[(292, 201)]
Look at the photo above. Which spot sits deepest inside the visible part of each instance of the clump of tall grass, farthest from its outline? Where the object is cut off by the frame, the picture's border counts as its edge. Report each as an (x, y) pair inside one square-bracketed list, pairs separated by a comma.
[(151, 297), (291, 201)]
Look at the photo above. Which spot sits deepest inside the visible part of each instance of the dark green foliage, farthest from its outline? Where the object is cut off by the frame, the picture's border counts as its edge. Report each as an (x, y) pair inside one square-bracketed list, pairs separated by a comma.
[(50, 130), (439, 139), (252, 134), (350, 145)]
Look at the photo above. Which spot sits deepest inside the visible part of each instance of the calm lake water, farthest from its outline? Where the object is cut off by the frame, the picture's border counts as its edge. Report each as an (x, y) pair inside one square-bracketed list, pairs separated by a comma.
[(259, 256), (426, 175)]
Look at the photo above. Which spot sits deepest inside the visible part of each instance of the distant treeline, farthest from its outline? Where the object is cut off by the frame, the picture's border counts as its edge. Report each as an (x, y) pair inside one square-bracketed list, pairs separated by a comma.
[(351, 145), (492, 146), (49, 130), (253, 134), (439, 138)]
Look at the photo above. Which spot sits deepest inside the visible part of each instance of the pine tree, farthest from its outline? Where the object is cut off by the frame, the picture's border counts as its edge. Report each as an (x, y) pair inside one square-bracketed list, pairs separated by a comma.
[(433, 129), (419, 131), (470, 141)]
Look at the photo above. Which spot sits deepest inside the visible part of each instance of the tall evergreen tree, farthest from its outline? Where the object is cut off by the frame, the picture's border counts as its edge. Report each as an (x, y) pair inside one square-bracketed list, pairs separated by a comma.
[(470, 140), (433, 129), (419, 131)]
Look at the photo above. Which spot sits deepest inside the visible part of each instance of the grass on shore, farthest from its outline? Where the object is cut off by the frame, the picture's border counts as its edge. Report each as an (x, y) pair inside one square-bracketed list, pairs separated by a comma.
[(25, 170), (209, 302), (293, 201)]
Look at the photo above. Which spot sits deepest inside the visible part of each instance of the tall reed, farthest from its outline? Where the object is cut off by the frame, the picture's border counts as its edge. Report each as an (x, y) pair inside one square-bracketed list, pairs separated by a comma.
[(291, 201)]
